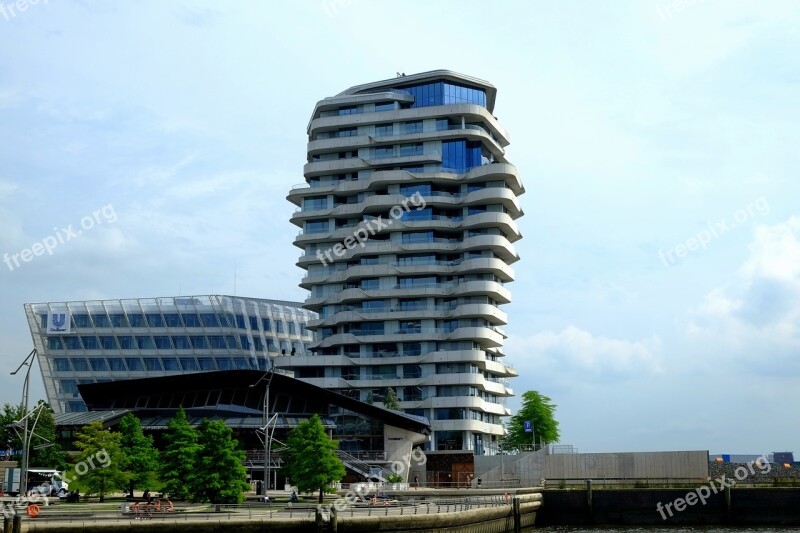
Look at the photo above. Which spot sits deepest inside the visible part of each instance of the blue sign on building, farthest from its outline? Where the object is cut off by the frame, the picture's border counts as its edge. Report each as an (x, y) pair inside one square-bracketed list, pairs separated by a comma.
[(528, 426)]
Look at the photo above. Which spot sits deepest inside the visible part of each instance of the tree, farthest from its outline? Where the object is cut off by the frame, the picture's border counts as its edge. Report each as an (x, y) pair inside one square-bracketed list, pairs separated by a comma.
[(178, 458), (9, 439), (313, 464), (370, 398), (141, 458), (391, 402), (44, 450), (99, 466), (219, 476), (539, 410)]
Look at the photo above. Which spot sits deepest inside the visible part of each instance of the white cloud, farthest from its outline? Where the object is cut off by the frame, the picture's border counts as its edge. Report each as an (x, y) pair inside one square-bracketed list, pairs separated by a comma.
[(575, 354), (754, 318)]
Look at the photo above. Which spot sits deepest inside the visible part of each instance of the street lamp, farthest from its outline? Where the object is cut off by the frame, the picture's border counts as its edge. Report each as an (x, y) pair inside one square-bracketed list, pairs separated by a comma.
[(267, 437), (23, 481)]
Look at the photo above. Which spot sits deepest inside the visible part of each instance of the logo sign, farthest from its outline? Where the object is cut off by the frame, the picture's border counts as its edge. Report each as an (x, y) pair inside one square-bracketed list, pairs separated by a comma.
[(528, 426), (58, 322)]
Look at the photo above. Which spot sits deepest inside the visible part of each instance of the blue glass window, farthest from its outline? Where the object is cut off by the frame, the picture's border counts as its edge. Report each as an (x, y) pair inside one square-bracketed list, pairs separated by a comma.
[(423, 189), (413, 127), (145, 343), (191, 320), (245, 342), (292, 328), (271, 346), (181, 342), (162, 342), (370, 284), (349, 110), (79, 364), (384, 106), (418, 214), (254, 323), (410, 149), (107, 342), (259, 346), (69, 386), (61, 364), (136, 321), (134, 364), (54, 343), (279, 326), (383, 129), (118, 320), (116, 364), (460, 156), (172, 320), (230, 340), (315, 202), (98, 364), (170, 364), (199, 342), (81, 321), (100, 321), (206, 363), (217, 342), (152, 364), (155, 320), (189, 364), (224, 363), (240, 322), (265, 324), (417, 237), (240, 363), (126, 342), (209, 320), (90, 343)]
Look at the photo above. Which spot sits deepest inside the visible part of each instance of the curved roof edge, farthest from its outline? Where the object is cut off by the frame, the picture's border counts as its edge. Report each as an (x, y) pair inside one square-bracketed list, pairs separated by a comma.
[(398, 81)]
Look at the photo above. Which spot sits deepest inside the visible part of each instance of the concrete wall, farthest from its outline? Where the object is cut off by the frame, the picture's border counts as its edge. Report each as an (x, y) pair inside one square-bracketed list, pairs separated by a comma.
[(762, 506), (684, 465), (398, 443)]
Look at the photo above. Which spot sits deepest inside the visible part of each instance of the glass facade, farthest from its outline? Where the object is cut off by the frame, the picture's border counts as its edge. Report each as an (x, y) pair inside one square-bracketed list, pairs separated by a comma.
[(444, 93), (124, 339)]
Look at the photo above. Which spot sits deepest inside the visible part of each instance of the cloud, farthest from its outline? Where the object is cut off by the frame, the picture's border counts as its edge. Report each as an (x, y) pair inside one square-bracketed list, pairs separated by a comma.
[(576, 354), (753, 320)]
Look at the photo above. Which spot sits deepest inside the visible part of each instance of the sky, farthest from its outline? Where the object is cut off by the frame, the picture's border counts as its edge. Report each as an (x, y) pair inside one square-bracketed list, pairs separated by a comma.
[(657, 299)]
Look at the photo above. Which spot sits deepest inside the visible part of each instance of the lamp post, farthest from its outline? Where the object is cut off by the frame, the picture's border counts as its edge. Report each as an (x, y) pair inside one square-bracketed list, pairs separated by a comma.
[(23, 478), (267, 437)]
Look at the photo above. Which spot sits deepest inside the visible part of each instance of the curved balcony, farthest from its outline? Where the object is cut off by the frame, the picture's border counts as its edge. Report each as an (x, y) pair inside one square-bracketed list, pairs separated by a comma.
[(475, 426), (380, 179), (470, 112)]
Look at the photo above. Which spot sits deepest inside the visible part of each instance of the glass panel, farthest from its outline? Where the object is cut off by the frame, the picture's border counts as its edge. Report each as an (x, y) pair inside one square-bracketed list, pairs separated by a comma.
[(98, 364), (116, 364), (189, 364), (152, 364), (134, 364)]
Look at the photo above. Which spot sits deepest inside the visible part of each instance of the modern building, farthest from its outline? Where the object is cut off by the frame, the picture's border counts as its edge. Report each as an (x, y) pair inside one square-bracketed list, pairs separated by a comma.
[(407, 224), (112, 340), (239, 398)]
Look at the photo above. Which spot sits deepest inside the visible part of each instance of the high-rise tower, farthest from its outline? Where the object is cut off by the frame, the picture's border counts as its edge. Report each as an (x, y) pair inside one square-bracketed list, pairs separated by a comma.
[(407, 224)]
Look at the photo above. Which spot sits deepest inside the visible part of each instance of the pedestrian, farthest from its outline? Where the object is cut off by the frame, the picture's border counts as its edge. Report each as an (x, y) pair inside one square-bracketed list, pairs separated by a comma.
[(416, 481), (479, 482)]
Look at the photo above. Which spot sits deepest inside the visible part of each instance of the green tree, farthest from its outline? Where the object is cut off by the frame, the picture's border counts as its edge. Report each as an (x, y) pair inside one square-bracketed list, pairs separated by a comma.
[(313, 464), (538, 409), (45, 452), (391, 402), (98, 468), (178, 458), (141, 458), (9, 440), (219, 476)]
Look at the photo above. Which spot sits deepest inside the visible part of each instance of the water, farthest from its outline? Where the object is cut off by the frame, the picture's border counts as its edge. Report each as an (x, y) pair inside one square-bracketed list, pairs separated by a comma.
[(659, 529)]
